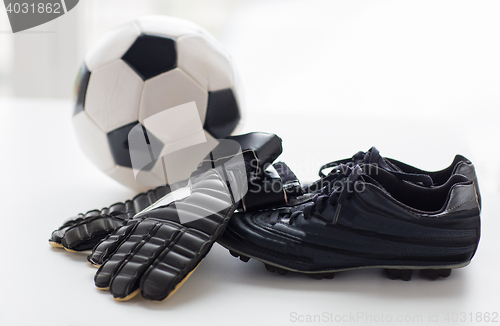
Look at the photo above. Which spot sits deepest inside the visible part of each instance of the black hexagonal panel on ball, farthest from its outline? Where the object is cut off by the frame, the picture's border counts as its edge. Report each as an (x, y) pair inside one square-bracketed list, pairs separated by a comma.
[(223, 113), (82, 82), (151, 55), (118, 140)]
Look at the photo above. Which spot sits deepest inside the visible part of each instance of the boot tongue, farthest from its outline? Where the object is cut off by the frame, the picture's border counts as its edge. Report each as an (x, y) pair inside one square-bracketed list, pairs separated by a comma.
[(373, 156)]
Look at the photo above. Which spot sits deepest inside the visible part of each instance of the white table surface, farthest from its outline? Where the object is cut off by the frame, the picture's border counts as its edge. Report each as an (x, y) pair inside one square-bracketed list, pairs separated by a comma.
[(45, 179), (417, 79)]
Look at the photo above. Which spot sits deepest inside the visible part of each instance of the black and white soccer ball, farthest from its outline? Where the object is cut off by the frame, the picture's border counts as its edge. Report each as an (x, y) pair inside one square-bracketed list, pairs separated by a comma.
[(154, 66)]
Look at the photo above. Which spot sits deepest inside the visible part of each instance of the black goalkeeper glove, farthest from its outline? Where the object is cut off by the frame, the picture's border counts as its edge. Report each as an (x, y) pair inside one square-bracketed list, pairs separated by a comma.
[(157, 250), (84, 231)]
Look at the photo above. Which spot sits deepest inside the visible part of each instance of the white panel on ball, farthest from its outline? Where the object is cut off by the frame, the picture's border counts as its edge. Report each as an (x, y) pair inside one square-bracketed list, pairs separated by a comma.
[(93, 141), (177, 124), (169, 90), (111, 46), (166, 26), (205, 61), (239, 93), (113, 96)]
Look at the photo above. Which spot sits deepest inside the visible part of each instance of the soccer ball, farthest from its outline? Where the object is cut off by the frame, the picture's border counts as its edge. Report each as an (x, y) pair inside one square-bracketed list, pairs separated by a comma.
[(160, 79)]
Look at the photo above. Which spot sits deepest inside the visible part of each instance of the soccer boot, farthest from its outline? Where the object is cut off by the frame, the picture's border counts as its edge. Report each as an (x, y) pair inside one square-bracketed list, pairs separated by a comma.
[(365, 217)]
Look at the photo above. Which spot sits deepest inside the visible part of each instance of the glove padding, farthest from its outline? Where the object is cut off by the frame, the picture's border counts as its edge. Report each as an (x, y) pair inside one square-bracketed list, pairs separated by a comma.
[(86, 230), (155, 251)]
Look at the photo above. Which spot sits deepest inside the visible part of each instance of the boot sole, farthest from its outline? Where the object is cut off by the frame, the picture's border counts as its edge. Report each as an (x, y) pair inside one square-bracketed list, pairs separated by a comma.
[(393, 272)]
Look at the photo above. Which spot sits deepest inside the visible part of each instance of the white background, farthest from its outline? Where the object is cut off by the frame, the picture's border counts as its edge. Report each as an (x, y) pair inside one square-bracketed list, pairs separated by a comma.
[(418, 79)]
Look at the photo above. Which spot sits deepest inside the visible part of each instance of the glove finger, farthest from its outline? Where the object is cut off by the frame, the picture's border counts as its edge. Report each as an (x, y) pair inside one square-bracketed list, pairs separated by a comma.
[(82, 233), (108, 245), (86, 235), (135, 255), (174, 265), (57, 235)]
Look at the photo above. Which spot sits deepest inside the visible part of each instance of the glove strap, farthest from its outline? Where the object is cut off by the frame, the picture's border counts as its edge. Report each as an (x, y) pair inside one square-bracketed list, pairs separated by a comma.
[(273, 188)]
